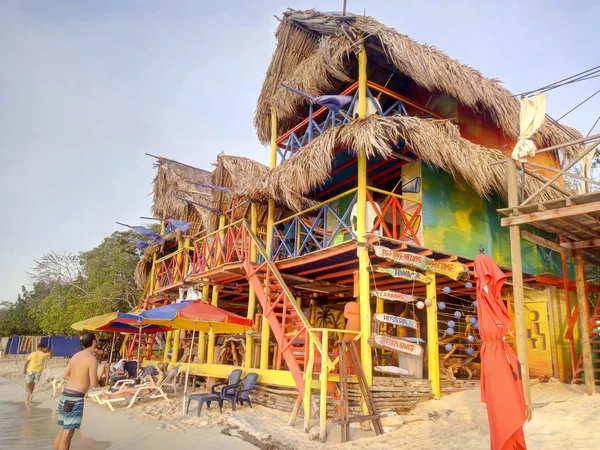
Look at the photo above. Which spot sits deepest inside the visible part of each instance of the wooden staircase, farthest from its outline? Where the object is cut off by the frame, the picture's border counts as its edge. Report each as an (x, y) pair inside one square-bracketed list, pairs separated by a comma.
[(578, 377)]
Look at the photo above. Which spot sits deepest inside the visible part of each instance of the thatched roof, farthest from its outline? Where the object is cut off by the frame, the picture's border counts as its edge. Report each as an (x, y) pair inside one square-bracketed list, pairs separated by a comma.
[(437, 142), (235, 172), (172, 181), (315, 54)]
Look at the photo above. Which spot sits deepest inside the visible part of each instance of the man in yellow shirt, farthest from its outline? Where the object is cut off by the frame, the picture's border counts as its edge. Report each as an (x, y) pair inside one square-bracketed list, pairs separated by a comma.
[(33, 369)]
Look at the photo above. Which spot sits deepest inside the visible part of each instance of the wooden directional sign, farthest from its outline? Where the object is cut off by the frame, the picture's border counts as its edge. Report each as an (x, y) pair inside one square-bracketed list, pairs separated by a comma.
[(395, 320), (407, 274), (393, 296), (451, 269), (392, 369), (395, 344)]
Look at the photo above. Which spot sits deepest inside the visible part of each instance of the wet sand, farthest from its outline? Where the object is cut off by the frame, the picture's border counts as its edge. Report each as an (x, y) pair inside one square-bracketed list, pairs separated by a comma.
[(34, 427)]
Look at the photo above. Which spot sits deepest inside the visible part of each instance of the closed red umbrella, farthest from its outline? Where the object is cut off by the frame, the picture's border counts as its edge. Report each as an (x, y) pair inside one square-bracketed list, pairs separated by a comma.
[(501, 382)]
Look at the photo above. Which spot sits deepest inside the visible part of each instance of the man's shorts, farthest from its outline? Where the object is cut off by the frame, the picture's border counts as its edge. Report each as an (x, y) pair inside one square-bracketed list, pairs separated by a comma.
[(70, 409), (33, 377)]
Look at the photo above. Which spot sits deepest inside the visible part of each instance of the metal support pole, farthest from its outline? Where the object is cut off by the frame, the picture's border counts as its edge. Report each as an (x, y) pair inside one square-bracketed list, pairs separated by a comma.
[(517, 279), (215, 300)]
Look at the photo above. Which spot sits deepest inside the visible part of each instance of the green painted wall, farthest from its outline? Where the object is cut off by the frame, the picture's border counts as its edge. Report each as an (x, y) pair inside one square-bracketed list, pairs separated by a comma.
[(457, 220)]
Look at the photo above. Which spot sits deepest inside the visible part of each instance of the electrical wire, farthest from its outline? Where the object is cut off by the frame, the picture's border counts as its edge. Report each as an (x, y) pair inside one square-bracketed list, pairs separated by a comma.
[(574, 108), (573, 78)]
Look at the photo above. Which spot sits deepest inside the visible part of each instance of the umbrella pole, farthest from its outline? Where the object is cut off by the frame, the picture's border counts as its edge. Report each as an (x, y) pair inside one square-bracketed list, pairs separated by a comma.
[(112, 347), (187, 371), (139, 346)]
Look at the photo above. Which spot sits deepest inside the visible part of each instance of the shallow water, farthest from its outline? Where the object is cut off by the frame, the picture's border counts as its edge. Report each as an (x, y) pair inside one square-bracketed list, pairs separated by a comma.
[(30, 428)]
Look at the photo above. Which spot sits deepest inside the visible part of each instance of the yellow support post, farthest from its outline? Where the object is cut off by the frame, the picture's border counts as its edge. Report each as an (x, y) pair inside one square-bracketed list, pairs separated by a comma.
[(363, 255), (175, 351), (168, 345), (265, 332), (433, 353), (251, 293), (323, 393), (215, 301), (205, 289), (185, 256), (308, 375), (201, 347)]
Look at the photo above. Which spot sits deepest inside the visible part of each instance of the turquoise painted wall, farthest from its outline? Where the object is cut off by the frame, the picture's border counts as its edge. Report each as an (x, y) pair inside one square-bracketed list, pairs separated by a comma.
[(457, 220)]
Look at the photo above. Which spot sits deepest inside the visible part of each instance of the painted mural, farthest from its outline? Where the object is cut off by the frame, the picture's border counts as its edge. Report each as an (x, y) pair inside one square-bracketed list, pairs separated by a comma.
[(457, 220)]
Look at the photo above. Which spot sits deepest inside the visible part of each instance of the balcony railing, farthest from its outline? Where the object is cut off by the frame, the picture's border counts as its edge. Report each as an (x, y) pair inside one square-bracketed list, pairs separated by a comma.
[(321, 120), (333, 222)]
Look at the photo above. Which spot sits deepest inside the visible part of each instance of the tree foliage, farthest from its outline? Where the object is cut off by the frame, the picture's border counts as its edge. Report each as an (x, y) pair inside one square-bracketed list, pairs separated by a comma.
[(68, 288)]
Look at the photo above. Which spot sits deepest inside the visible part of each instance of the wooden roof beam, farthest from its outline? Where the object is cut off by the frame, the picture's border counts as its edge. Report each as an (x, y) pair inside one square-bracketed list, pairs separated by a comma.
[(582, 244), (550, 214)]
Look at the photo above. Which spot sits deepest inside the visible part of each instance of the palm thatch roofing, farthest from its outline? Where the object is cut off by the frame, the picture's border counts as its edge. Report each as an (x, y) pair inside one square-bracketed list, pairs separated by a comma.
[(315, 55), (235, 172), (171, 184), (437, 142)]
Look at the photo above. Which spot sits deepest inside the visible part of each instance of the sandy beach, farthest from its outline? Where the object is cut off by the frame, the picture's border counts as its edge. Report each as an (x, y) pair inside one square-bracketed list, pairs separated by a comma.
[(563, 418)]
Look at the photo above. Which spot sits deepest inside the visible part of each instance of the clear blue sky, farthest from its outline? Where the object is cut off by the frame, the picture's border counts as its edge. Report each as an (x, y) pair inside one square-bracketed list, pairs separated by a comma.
[(87, 87)]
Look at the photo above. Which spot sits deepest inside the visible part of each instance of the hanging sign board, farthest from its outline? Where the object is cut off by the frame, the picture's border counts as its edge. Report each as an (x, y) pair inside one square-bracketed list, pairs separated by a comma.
[(452, 269), (395, 320), (407, 274), (395, 344), (393, 296), (392, 369)]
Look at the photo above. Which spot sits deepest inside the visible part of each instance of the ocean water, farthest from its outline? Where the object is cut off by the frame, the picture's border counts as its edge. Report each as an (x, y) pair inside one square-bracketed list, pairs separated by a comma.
[(27, 427)]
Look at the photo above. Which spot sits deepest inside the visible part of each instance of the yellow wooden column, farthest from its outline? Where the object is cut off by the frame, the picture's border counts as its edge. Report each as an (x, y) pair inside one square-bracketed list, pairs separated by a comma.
[(210, 352), (433, 350), (185, 256), (364, 298), (251, 293), (175, 351), (266, 332), (201, 347), (168, 345)]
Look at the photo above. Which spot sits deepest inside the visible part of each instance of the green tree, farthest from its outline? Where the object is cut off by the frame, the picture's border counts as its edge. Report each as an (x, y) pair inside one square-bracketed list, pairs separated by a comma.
[(68, 288)]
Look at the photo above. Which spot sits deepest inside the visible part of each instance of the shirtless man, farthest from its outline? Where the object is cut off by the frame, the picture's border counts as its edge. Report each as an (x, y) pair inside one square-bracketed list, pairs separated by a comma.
[(81, 373)]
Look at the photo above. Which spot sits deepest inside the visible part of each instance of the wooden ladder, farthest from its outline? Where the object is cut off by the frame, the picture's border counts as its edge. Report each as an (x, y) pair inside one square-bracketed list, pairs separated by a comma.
[(595, 343), (345, 420)]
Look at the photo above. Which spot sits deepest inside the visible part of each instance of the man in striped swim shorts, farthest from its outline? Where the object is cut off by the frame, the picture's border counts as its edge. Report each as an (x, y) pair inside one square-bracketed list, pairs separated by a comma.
[(81, 373)]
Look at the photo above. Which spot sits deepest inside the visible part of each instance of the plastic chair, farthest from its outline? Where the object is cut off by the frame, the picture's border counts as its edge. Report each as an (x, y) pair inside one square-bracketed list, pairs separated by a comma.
[(214, 395), (236, 395)]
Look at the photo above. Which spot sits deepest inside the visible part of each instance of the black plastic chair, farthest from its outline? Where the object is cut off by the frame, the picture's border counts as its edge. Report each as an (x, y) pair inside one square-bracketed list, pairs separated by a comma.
[(214, 395), (240, 392)]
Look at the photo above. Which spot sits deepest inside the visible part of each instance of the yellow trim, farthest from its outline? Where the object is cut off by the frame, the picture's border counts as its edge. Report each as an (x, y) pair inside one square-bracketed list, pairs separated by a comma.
[(308, 376), (391, 194), (168, 345), (433, 355), (317, 206), (201, 346)]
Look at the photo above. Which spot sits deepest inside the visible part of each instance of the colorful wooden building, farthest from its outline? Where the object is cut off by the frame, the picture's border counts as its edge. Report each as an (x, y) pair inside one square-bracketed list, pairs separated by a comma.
[(366, 224)]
